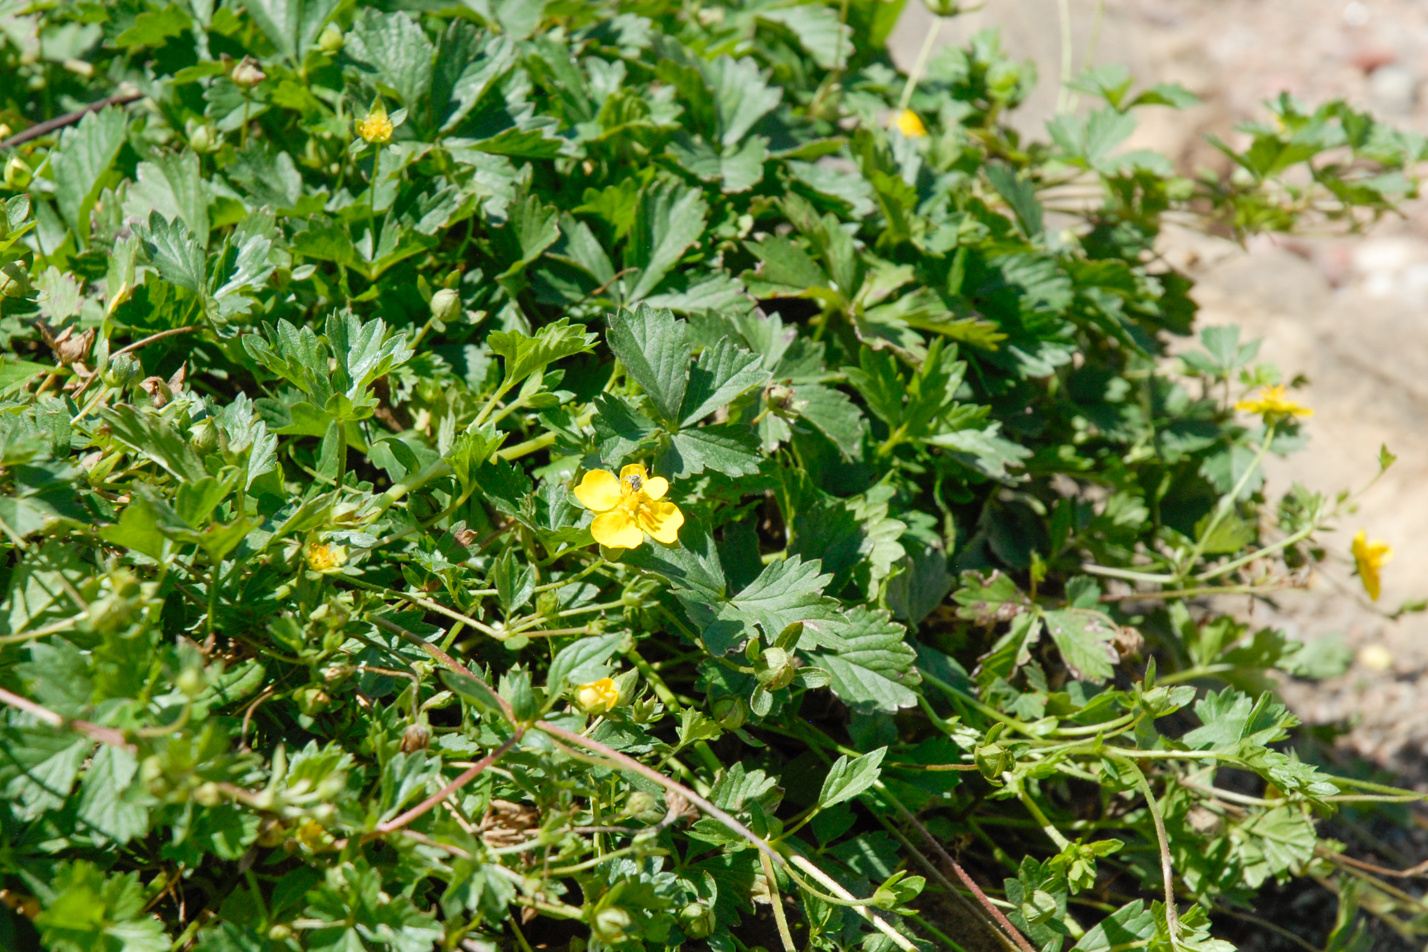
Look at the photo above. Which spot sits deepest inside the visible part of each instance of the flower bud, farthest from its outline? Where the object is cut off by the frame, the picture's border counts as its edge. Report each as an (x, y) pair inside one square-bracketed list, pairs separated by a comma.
[(331, 39), (247, 73), (203, 138), (207, 795), (123, 370), (775, 669), (697, 920), (644, 807), (312, 699), (192, 682), (14, 282), (280, 932), (993, 760), (597, 697), (731, 712), (778, 397), (416, 737), (17, 174), (445, 305), (610, 924), (205, 436)]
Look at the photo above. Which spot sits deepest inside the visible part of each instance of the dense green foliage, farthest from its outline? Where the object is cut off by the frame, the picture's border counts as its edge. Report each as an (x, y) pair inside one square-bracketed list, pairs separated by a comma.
[(305, 632)]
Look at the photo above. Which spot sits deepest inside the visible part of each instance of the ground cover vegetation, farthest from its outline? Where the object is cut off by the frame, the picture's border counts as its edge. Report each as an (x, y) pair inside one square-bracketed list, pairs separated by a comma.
[(639, 474)]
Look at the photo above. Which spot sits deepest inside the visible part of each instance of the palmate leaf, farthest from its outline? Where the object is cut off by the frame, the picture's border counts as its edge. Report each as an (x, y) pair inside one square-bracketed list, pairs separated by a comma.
[(728, 448), (669, 219), (397, 52), (528, 354), (721, 374), (292, 25)]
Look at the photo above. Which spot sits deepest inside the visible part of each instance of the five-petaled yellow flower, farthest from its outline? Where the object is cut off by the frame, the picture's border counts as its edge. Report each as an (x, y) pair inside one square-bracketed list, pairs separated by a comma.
[(1274, 402), (597, 697), (628, 507), (376, 128), (1370, 557), (907, 122)]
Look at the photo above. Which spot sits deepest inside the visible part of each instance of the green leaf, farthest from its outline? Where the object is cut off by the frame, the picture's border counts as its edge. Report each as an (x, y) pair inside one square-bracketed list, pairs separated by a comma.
[(669, 218), (16, 373), (106, 802), (154, 28), (157, 440), (514, 583), (175, 253), (728, 448), (292, 25), (396, 50), (786, 593), (849, 778), (173, 186), (586, 660), (741, 96), (819, 32), (1020, 194), (81, 161), (525, 355), (874, 669), (721, 374), (1084, 640), (834, 415), (653, 347)]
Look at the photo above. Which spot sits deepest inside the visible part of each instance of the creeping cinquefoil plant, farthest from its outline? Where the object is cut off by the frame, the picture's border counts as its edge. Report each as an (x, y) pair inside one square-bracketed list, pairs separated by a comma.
[(639, 474)]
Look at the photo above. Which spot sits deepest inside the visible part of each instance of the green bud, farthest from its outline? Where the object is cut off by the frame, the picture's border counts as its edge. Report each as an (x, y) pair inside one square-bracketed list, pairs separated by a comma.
[(610, 924), (312, 699), (331, 39), (14, 281), (280, 932), (775, 669), (644, 807), (203, 138), (205, 436), (446, 305), (207, 795), (123, 370), (247, 73), (697, 920), (779, 398), (731, 712), (993, 760), (192, 682), (17, 174)]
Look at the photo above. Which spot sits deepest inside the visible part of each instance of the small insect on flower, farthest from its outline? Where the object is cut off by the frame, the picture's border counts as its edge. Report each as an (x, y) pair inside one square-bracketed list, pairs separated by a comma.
[(376, 128), (1274, 403), (1370, 557), (628, 507)]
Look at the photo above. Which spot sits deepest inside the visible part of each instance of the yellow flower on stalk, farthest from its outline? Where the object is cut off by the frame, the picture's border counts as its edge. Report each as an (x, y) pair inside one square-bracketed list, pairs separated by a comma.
[(629, 506), (376, 128), (597, 697), (1370, 557), (1274, 402), (909, 124), (322, 557)]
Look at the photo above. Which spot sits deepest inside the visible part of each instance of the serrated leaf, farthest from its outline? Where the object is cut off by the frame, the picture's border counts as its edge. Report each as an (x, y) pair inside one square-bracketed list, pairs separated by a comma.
[(728, 448), (833, 414), (722, 373), (669, 218), (1084, 640), (874, 669), (396, 50), (104, 803), (655, 351), (292, 25), (786, 593), (84, 155), (175, 253), (849, 778), (527, 354), (741, 96)]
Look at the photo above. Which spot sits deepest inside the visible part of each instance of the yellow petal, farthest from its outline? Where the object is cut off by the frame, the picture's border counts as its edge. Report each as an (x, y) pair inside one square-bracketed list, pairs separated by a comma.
[(634, 469), (616, 530), (662, 521), (598, 491), (656, 487)]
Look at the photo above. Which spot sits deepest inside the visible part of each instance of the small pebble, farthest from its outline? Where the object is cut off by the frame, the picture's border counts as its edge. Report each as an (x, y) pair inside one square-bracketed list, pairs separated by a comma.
[(1376, 658)]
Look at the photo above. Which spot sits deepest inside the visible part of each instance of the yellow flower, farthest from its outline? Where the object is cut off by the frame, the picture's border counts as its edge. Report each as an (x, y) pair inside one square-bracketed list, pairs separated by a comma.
[(376, 128), (1274, 402), (322, 557), (1370, 557), (597, 697), (908, 123), (628, 507)]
